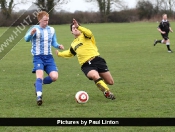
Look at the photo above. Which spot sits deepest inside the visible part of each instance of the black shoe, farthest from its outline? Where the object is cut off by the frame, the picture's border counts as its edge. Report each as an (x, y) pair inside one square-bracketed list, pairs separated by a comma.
[(109, 95), (39, 101), (155, 42)]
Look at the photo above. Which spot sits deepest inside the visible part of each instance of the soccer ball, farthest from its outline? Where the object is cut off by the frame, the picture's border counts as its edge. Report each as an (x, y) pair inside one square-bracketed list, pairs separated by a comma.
[(81, 97)]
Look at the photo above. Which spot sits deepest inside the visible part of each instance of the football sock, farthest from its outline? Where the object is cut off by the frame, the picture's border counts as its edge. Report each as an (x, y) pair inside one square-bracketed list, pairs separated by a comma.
[(38, 85), (101, 85), (168, 46), (39, 94), (47, 80), (159, 41)]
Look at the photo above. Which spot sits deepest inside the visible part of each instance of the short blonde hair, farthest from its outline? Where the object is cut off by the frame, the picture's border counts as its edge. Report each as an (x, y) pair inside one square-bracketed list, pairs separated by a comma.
[(164, 14), (41, 14)]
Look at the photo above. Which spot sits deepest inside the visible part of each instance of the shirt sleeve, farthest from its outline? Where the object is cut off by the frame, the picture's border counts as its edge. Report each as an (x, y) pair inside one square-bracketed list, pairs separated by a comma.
[(87, 33), (65, 54), (28, 35), (54, 42), (169, 24), (160, 25)]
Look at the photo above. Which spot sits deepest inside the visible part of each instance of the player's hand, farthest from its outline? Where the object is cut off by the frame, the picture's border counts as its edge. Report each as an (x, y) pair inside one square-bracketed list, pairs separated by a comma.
[(172, 31), (75, 23), (163, 32), (33, 31), (61, 47), (56, 51)]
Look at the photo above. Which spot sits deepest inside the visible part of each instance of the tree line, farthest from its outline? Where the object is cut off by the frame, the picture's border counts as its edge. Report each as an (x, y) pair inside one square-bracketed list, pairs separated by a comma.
[(144, 10)]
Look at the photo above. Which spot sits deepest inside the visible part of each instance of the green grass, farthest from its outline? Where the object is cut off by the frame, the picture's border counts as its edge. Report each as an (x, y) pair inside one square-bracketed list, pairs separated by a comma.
[(143, 75)]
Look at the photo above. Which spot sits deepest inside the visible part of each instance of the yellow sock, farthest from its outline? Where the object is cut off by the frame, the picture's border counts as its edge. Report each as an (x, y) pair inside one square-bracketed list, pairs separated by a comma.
[(101, 85)]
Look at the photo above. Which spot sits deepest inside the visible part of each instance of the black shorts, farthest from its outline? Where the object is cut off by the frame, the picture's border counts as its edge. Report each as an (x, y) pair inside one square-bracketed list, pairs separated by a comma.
[(165, 36), (98, 64)]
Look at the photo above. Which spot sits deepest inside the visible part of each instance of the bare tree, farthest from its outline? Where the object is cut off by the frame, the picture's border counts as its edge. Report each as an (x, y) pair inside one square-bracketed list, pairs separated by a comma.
[(7, 6), (145, 8), (164, 5), (106, 6), (49, 5), (157, 5), (168, 4)]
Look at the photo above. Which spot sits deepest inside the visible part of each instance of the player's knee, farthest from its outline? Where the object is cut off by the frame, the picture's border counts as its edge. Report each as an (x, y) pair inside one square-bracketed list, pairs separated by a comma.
[(95, 76), (54, 77), (110, 82), (163, 41)]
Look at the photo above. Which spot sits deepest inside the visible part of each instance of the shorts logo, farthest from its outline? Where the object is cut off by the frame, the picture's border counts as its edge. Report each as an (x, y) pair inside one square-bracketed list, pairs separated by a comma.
[(38, 65)]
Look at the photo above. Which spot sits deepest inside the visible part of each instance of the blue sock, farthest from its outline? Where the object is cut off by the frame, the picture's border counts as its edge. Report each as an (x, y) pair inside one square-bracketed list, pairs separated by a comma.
[(47, 80), (38, 84)]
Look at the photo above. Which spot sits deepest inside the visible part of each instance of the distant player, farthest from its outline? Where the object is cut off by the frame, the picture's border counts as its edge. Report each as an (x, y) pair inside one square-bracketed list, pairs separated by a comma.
[(42, 38), (164, 28), (93, 66)]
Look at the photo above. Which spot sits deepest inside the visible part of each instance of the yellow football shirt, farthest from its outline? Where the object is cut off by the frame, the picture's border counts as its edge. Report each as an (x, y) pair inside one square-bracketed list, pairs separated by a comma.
[(84, 46)]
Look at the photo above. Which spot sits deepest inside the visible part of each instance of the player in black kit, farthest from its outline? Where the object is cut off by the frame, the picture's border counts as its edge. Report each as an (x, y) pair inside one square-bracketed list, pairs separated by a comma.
[(164, 28)]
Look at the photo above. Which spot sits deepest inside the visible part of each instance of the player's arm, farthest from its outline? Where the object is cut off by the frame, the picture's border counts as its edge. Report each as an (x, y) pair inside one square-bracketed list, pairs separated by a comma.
[(67, 53), (29, 34), (170, 28), (55, 43), (159, 29), (87, 33)]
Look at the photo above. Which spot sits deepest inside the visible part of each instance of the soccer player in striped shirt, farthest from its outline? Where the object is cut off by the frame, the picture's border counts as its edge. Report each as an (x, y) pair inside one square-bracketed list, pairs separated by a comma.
[(42, 38), (93, 66)]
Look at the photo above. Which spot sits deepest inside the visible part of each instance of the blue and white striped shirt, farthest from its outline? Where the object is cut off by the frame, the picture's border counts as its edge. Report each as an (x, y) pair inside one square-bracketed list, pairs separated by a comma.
[(42, 40)]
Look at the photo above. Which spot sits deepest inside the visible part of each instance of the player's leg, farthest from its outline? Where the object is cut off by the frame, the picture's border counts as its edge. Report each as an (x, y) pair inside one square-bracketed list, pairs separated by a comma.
[(168, 44), (94, 75), (53, 75), (100, 83), (107, 77), (52, 71), (157, 41), (38, 70), (90, 70), (38, 86), (160, 41)]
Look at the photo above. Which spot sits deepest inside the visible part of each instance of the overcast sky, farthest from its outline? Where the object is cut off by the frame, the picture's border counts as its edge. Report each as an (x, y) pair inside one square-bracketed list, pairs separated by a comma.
[(83, 6), (77, 5)]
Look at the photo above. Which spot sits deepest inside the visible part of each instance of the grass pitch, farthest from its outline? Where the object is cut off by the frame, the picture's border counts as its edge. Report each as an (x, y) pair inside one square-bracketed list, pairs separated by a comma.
[(143, 75)]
